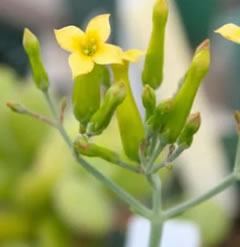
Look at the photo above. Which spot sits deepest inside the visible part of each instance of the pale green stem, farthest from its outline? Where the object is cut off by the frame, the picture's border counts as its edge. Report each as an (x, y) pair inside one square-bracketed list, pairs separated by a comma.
[(127, 198), (228, 181), (153, 143), (236, 168), (171, 158), (159, 148), (129, 167), (156, 222)]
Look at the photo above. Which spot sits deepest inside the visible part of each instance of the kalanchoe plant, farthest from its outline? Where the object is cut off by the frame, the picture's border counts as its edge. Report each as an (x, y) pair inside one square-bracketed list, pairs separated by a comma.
[(169, 125)]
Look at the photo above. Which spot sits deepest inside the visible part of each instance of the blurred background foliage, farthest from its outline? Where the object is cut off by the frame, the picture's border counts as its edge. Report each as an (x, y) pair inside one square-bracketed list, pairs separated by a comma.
[(46, 199)]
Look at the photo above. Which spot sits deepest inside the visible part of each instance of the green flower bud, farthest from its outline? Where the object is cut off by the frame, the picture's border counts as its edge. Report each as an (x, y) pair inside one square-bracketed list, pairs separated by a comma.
[(158, 120), (101, 119), (86, 95), (183, 101), (153, 66), (192, 126), (129, 120), (83, 147), (149, 100), (16, 107), (32, 48)]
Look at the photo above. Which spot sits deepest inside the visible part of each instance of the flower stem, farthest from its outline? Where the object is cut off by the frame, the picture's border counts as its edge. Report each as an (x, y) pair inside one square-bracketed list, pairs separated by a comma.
[(236, 168), (159, 148), (229, 180), (156, 222), (129, 167), (171, 158), (155, 234)]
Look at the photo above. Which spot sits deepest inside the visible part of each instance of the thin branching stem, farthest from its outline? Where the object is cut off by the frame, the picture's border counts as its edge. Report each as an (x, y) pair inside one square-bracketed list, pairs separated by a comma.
[(156, 225), (126, 197)]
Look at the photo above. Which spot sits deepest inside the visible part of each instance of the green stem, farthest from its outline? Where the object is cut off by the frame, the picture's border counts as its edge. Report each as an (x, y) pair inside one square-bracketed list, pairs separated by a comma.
[(228, 181), (135, 204), (155, 234), (156, 225), (160, 147), (236, 168), (129, 167), (171, 158)]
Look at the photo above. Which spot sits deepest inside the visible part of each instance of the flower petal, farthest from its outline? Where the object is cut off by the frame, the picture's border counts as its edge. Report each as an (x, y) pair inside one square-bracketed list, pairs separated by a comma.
[(100, 26), (80, 64), (132, 55), (108, 54), (69, 38), (230, 32)]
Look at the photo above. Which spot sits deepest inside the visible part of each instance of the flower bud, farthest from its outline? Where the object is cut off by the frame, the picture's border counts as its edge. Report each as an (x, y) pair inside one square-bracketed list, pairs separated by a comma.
[(184, 98), (153, 66), (101, 119), (158, 119), (86, 95), (192, 126), (16, 107), (83, 147), (32, 48), (149, 100), (129, 120)]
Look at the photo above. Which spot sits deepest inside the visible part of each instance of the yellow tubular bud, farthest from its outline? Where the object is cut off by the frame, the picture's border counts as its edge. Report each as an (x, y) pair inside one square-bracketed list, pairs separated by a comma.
[(153, 66), (149, 100), (83, 147), (32, 48), (86, 95), (129, 120), (184, 99), (101, 119)]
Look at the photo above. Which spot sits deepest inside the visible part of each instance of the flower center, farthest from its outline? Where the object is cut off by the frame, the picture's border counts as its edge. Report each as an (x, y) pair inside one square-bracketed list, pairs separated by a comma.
[(90, 47)]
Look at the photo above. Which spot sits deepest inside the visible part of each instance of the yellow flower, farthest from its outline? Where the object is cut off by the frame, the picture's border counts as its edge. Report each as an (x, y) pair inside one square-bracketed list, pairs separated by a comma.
[(230, 32), (89, 47)]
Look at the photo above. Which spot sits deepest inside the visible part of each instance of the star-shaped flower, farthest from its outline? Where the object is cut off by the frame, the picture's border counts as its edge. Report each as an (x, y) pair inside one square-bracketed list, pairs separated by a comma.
[(89, 47)]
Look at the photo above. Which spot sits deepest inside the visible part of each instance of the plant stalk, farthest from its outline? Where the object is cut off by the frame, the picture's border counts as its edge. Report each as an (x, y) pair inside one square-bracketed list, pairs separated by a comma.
[(236, 168), (228, 181), (156, 223)]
